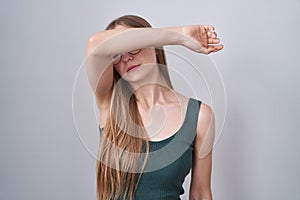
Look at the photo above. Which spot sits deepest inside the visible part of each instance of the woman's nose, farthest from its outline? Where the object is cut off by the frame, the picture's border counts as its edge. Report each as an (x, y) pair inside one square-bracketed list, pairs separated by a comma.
[(126, 57)]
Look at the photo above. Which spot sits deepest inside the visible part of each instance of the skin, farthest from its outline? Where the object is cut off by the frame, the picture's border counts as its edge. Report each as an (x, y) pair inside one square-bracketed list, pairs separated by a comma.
[(155, 99)]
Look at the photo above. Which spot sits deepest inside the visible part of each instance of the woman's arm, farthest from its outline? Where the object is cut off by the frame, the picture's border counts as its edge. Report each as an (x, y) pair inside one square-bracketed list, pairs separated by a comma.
[(200, 188), (103, 45)]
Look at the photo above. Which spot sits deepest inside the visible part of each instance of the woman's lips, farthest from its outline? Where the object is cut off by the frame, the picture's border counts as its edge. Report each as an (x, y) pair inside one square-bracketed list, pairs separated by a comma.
[(132, 67)]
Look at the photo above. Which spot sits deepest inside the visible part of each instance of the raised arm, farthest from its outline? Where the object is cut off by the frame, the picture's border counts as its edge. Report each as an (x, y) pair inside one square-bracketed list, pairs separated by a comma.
[(103, 45)]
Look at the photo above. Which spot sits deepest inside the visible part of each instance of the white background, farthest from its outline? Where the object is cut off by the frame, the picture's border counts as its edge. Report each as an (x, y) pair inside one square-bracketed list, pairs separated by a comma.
[(43, 44)]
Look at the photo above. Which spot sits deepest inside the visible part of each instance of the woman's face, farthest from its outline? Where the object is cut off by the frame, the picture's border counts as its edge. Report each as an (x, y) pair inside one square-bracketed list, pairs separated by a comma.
[(136, 65)]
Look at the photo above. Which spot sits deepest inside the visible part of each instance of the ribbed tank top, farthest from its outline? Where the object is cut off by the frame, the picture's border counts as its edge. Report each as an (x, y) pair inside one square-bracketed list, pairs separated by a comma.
[(170, 160)]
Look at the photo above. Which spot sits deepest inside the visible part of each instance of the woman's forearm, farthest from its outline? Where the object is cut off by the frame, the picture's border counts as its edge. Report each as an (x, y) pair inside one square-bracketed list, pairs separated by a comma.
[(115, 41)]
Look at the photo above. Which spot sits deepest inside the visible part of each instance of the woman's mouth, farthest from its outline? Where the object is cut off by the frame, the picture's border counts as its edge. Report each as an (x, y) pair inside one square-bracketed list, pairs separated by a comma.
[(132, 67)]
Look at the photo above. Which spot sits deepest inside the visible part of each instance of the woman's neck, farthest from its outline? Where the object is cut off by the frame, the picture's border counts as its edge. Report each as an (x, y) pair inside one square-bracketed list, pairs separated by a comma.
[(155, 94)]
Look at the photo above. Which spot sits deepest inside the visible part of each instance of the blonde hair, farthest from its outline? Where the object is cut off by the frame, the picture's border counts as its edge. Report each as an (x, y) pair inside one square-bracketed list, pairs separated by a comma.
[(123, 151)]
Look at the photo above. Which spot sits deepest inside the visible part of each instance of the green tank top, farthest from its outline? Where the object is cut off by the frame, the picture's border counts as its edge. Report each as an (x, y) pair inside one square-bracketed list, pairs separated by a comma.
[(170, 160)]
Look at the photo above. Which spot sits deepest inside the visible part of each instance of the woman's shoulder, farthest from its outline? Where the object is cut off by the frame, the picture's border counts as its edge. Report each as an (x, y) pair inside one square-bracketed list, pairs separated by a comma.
[(205, 111), (206, 120)]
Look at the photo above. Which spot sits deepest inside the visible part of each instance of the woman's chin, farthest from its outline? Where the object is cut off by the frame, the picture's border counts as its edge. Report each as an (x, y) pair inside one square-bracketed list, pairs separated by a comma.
[(134, 75), (132, 78), (140, 73)]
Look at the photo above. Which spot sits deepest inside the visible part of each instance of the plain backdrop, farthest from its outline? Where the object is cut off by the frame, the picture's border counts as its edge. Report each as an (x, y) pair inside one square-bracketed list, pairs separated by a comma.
[(43, 46)]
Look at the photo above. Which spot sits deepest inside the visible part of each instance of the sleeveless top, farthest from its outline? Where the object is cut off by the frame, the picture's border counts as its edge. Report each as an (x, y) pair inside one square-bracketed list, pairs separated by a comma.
[(170, 160)]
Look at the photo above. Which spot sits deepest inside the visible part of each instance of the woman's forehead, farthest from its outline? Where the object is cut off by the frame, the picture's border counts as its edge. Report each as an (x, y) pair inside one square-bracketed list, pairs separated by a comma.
[(118, 26)]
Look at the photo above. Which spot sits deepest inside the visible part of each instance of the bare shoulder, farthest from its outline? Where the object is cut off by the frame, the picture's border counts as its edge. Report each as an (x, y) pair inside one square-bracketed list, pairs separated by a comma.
[(205, 116), (205, 130)]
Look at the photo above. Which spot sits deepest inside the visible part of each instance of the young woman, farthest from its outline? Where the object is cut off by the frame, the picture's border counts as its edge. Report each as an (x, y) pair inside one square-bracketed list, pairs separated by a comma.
[(151, 135)]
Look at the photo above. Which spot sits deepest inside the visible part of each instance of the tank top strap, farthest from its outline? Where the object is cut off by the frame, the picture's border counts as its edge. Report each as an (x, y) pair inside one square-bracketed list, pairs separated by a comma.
[(192, 114), (189, 126)]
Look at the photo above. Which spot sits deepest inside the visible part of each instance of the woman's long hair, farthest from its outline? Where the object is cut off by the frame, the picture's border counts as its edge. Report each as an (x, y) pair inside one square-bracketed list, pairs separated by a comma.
[(123, 151)]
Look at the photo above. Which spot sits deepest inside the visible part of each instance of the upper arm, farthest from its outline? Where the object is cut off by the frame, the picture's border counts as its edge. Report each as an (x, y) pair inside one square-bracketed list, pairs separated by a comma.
[(99, 68), (202, 157)]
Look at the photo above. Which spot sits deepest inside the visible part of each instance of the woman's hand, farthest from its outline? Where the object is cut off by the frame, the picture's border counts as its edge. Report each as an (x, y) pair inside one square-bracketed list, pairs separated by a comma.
[(201, 38)]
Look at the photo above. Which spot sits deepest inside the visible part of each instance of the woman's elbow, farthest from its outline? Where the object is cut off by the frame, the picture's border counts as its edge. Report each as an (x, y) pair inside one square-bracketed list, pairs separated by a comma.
[(200, 195)]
